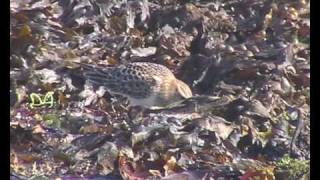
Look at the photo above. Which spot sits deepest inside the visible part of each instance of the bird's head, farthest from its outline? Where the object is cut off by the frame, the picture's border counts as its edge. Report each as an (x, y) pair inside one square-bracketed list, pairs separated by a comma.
[(183, 90)]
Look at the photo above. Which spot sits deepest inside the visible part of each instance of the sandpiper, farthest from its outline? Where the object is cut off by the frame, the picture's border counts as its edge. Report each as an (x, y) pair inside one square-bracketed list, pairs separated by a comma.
[(144, 84)]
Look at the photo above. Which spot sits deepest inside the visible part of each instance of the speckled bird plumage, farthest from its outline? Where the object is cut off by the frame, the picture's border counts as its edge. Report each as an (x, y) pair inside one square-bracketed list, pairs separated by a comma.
[(144, 84)]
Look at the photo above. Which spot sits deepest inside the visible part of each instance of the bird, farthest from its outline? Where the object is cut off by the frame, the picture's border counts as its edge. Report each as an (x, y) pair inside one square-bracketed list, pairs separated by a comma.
[(144, 84)]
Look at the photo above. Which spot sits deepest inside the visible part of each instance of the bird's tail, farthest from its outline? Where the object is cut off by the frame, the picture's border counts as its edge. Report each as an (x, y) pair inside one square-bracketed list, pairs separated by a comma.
[(97, 76)]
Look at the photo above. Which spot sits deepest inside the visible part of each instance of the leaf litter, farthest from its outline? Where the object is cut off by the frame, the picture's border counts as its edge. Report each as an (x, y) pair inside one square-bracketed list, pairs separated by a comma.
[(247, 62)]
